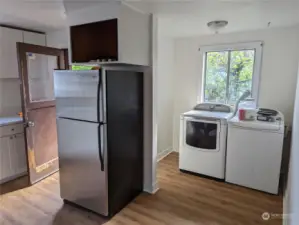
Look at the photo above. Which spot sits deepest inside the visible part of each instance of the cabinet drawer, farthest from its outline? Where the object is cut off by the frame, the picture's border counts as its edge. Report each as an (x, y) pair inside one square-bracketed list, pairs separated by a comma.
[(11, 129)]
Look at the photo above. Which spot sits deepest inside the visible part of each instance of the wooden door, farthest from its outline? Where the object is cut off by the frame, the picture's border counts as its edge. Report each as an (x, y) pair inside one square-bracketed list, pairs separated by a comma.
[(36, 64)]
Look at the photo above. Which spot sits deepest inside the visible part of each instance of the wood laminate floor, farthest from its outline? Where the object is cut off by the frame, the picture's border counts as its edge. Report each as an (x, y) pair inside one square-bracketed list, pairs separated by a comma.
[(183, 199)]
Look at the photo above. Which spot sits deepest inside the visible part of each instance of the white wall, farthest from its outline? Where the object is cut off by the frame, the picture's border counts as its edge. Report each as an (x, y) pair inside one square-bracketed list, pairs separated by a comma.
[(165, 91), (58, 39), (291, 198), (95, 13), (133, 36), (278, 75), (165, 82)]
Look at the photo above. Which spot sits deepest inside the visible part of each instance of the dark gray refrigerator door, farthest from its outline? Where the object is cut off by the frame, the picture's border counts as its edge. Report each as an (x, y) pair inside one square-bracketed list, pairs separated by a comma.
[(78, 95), (83, 175)]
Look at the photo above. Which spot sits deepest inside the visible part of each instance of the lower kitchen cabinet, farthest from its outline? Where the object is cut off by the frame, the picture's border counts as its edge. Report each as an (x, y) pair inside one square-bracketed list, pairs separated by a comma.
[(5, 168), (13, 162), (18, 154)]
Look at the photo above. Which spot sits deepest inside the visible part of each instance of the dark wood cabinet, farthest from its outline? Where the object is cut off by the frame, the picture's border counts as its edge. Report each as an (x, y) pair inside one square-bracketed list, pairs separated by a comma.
[(110, 32), (95, 41)]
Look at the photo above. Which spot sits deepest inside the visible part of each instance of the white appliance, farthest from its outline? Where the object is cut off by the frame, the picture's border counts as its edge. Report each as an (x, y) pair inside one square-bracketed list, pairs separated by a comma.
[(203, 133), (254, 152)]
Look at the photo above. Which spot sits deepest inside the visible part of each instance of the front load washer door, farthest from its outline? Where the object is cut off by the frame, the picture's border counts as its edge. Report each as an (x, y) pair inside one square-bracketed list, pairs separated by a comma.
[(202, 135)]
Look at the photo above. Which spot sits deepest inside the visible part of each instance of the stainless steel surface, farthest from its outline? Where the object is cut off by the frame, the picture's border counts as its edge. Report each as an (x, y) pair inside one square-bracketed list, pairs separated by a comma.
[(76, 94), (77, 97), (81, 179)]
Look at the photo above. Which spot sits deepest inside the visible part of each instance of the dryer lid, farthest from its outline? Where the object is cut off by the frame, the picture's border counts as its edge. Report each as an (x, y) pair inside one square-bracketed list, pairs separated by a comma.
[(208, 115)]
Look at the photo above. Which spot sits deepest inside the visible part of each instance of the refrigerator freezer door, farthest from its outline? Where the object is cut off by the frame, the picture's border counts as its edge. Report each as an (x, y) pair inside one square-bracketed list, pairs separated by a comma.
[(82, 180), (78, 95)]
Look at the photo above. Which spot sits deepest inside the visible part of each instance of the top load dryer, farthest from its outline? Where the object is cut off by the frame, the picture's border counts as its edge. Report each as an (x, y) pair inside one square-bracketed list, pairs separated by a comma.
[(203, 134)]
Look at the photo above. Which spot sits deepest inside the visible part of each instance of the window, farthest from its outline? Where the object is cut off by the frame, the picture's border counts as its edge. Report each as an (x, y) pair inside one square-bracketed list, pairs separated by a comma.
[(231, 70)]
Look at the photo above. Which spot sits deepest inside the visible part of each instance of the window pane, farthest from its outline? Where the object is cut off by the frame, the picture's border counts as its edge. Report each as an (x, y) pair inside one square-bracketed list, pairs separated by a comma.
[(216, 76), (240, 75), (40, 72)]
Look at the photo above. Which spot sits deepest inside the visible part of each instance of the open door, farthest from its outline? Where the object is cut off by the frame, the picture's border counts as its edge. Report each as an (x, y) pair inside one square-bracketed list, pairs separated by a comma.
[(36, 65)]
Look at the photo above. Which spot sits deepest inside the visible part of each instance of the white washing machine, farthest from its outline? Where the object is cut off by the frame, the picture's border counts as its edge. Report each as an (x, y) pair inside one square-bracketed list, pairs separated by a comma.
[(254, 152), (203, 134)]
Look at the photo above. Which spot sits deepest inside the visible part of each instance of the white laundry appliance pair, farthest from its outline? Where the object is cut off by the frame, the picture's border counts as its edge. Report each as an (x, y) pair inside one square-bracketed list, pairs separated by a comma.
[(215, 143)]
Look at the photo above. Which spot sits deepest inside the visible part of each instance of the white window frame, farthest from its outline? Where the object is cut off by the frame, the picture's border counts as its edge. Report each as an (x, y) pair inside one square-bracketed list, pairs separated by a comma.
[(257, 46)]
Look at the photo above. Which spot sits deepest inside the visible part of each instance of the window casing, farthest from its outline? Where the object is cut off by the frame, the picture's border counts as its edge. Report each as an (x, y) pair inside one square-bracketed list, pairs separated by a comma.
[(229, 70)]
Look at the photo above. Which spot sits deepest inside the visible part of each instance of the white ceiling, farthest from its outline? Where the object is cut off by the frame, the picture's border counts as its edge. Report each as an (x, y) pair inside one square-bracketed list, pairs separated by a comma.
[(178, 17), (42, 15), (189, 17)]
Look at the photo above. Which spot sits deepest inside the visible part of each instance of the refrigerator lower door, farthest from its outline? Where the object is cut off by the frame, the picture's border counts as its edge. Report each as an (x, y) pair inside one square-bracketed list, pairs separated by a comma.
[(83, 172)]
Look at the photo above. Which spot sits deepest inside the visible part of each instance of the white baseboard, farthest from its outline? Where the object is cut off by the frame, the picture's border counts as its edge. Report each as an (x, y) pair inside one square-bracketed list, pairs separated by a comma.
[(164, 153), (155, 186), (154, 189)]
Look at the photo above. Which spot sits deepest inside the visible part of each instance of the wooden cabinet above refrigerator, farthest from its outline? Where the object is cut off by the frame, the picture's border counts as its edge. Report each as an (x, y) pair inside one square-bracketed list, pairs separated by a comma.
[(122, 35)]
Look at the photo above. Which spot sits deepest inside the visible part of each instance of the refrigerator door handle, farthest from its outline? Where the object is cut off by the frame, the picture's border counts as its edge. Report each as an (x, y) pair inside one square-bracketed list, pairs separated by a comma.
[(101, 145), (100, 99), (103, 95)]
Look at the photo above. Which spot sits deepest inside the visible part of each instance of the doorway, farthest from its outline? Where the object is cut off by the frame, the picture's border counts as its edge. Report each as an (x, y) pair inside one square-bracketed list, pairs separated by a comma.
[(36, 66)]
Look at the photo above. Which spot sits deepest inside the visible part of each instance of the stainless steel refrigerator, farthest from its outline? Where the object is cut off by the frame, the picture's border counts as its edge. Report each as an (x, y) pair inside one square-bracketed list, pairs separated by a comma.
[(100, 136)]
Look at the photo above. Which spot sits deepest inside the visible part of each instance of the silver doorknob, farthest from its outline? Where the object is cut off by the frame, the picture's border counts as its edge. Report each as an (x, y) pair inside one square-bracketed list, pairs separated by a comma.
[(30, 124)]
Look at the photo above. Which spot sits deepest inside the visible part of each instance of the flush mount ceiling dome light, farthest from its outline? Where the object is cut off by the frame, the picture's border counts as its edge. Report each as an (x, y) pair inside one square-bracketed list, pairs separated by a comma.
[(216, 25)]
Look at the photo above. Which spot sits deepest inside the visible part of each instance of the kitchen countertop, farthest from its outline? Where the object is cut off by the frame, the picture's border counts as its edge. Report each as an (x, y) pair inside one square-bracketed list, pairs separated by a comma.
[(4, 121)]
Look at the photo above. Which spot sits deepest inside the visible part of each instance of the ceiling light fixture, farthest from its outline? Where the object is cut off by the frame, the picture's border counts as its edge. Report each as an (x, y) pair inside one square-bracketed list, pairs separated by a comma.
[(216, 25)]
